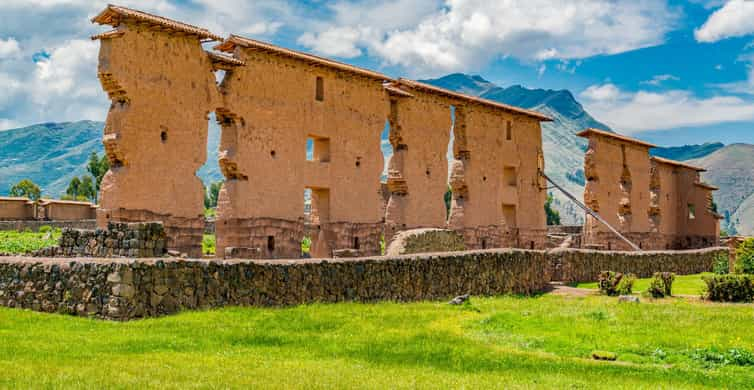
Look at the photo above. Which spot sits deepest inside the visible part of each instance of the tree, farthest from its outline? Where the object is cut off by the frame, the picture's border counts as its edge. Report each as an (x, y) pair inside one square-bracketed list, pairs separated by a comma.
[(73, 187), (80, 189), (211, 194), (553, 216), (447, 198), (97, 167), (26, 188)]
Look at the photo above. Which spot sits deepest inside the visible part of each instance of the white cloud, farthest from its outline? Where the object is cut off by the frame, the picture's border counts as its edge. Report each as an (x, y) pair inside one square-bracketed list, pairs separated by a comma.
[(336, 42), (462, 34), (643, 111), (734, 19), (9, 48), (659, 79), (6, 124)]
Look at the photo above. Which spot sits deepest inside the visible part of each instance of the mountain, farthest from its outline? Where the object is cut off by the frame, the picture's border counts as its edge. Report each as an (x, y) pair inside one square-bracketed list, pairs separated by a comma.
[(732, 169), (687, 152), (564, 151), (51, 154)]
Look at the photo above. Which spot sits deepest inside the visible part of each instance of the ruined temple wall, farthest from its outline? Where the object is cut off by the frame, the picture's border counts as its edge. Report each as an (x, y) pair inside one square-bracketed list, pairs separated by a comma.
[(618, 184), (273, 106), (669, 199), (504, 196), (162, 88), (420, 141)]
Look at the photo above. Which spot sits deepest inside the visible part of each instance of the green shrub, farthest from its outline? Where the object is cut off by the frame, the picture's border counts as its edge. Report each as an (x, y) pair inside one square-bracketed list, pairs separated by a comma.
[(745, 257), (661, 285), (730, 288), (615, 283), (45, 229), (721, 266), (209, 244), (732, 357)]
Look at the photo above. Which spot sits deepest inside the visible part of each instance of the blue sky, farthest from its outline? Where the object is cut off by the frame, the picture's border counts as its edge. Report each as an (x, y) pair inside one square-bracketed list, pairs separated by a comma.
[(671, 72)]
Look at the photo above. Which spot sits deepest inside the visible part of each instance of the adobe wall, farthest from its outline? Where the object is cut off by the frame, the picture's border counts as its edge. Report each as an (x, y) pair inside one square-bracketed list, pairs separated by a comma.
[(648, 199), (65, 210), (618, 184), (269, 110), (162, 89), (497, 188), (578, 265), (420, 129), (127, 289), (16, 209)]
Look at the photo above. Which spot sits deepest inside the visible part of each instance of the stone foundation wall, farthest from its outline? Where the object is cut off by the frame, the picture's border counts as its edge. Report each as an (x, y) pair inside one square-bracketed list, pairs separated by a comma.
[(578, 265), (183, 235), (425, 241), (34, 226), (119, 240), (647, 241), (127, 289), (269, 238)]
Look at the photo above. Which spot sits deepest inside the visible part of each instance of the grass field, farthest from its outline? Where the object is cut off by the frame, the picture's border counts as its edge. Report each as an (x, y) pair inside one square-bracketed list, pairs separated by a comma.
[(15, 242), (683, 285), (540, 342)]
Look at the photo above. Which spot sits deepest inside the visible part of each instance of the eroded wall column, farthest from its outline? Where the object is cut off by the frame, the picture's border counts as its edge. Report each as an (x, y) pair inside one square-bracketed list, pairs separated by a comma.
[(162, 88)]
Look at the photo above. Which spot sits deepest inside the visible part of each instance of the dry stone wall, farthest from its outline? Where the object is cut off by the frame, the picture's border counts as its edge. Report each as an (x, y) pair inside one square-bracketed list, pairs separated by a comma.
[(118, 240), (129, 289), (576, 265)]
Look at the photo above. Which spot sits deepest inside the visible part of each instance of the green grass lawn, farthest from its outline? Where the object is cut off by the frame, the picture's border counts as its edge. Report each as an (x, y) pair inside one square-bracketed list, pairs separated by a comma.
[(504, 342), (15, 242), (683, 285)]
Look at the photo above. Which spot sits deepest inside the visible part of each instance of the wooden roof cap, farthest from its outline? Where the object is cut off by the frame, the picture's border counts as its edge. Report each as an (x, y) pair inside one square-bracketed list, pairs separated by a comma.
[(235, 40), (591, 131), (473, 99), (113, 15), (678, 164)]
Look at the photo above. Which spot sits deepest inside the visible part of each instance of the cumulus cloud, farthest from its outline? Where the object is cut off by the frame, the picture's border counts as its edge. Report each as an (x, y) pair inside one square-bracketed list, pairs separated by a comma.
[(9, 48), (462, 34), (644, 111), (734, 19)]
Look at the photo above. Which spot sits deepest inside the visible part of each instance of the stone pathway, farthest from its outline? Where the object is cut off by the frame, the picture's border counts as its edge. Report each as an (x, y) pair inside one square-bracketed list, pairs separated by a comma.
[(558, 288)]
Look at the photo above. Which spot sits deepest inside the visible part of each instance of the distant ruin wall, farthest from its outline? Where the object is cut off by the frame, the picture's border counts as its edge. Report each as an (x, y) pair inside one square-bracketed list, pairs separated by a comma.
[(425, 241), (129, 289), (118, 240), (575, 265)]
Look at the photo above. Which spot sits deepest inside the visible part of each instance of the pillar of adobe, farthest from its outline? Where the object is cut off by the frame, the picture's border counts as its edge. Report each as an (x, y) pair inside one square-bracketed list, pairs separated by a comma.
[(160, 82)]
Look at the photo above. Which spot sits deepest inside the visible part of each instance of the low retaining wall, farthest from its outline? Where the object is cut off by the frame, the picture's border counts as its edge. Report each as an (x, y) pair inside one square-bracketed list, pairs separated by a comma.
[(127, 289), (425, 241), (138, 239), (580, 265), (35, 225)]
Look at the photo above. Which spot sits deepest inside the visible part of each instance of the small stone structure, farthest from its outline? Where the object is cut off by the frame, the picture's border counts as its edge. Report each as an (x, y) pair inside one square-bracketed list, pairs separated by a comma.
[(25, 209), (119, 240), (127, 289), (16, 209), (655, 202), (425, 241), (579, 265), (273, 104)]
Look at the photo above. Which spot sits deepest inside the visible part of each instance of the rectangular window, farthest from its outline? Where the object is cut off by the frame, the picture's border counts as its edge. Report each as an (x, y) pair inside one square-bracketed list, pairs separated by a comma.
[(509, 131), (320, 89), (270, 243), (509, 176), (692, 211), (317, 148)]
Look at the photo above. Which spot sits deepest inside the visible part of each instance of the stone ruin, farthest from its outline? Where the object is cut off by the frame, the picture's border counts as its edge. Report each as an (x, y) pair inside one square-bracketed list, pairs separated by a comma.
[(270, 103), (134, 240), (658, 204), (274, 104)]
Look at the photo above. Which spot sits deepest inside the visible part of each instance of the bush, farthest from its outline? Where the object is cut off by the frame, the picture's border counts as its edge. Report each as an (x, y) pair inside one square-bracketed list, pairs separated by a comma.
[(45, 229), (721, 266), (745, 257), (661, 285), (615, 283), (730, 288)]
